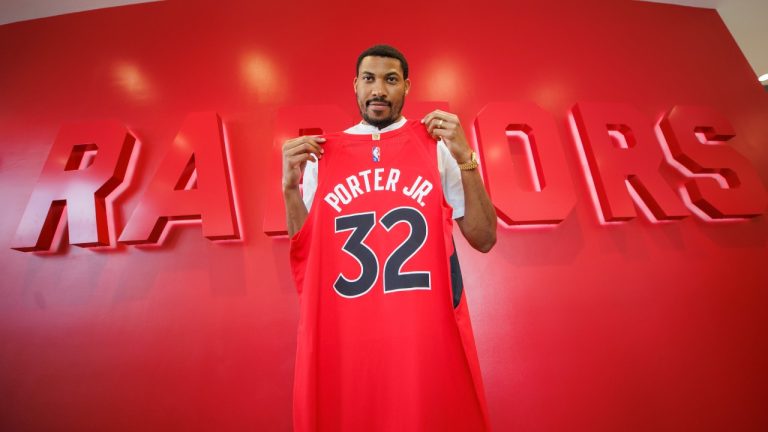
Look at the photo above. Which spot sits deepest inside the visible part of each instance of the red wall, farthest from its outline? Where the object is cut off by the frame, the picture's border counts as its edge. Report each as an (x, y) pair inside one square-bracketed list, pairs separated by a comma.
[(580, 325)]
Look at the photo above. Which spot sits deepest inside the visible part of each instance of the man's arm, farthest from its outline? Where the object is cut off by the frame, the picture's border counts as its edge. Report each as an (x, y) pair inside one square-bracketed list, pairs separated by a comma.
[(479, 222), (296, 153), (295, 211)]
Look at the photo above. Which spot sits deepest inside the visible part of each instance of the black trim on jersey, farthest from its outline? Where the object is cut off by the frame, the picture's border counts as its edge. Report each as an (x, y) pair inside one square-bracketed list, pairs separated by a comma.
[(457, 283)]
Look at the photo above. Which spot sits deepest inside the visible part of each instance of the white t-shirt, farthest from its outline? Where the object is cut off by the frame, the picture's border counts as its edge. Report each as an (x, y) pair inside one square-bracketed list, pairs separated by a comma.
[(450, 175)]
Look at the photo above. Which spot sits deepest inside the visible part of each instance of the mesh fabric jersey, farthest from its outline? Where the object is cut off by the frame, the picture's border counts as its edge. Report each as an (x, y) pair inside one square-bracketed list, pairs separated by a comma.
[(383, 345)]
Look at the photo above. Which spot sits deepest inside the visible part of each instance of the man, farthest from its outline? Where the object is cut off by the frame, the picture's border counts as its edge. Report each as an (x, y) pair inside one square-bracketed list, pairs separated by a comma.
[(381, 345)]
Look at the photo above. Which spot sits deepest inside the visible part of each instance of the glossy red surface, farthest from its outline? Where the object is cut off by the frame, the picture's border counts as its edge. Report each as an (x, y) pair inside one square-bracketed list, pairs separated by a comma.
[(580, 325)]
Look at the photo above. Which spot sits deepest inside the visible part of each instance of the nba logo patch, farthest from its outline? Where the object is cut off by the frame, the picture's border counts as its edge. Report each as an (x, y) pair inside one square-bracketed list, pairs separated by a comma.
[(376, 153)]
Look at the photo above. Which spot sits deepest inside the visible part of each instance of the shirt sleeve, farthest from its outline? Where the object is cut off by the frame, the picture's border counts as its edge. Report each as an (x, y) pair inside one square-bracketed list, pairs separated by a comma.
[(450, 175), (309, 184)]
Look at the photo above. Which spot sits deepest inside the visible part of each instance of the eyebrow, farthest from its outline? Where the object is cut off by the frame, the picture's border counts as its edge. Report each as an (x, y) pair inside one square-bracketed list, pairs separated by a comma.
[(390, 73)]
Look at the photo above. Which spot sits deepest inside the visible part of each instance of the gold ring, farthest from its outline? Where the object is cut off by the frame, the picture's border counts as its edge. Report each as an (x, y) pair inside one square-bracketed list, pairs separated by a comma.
[(440, 125)]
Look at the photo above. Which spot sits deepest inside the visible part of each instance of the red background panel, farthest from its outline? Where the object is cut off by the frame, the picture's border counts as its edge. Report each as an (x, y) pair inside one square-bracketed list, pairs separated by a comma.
[(579, 325)]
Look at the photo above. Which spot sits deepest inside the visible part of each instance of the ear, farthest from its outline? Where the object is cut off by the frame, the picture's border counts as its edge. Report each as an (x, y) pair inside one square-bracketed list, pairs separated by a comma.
[(407, 85), (354, 84)]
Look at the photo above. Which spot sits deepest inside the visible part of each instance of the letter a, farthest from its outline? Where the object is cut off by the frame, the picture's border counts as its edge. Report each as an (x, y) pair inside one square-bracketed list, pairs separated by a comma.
[(198, 147)]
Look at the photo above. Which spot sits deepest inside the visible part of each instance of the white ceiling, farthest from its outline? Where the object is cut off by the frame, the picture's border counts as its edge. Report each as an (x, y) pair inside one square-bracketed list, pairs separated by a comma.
[(746, 19), (711, 4), (22, 10)]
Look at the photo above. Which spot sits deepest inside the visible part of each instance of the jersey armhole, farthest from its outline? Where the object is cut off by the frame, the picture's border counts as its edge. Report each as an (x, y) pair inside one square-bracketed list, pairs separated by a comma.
[(452, 186)]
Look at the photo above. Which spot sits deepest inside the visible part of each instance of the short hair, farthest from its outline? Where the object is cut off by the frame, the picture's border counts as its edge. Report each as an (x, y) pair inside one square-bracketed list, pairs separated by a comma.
[(383, 51)]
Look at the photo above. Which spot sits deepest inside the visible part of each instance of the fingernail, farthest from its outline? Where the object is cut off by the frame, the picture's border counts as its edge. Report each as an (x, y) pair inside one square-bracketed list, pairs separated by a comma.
[(321, 139)]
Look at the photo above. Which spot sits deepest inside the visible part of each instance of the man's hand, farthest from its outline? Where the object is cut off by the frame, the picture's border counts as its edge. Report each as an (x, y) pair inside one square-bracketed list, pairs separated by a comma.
[(296, 153), (446, 126)]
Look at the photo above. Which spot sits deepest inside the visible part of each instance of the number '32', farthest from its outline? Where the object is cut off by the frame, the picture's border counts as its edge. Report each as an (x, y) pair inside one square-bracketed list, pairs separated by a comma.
[(361, 224)]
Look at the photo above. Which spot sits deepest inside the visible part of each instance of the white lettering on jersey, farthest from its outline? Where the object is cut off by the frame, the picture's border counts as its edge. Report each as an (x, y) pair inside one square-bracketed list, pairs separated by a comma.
[(361, 184), (419, 190)]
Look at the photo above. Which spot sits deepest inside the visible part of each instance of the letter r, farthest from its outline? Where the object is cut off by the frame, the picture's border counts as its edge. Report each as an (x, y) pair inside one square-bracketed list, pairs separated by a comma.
[(66, 183)]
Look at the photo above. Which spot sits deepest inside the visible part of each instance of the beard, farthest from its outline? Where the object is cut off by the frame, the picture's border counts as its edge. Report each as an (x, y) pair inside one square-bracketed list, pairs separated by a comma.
[(380, 123)]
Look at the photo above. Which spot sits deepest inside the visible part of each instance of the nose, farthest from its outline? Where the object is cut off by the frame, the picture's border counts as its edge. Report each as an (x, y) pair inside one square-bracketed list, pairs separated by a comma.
[(377, 88)]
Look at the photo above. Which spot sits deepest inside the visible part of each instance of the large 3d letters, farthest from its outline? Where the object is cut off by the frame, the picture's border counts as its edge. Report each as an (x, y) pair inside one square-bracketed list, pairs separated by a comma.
[(68, 183), (745, 195), (524, 165), (622, 151), (192, 183)]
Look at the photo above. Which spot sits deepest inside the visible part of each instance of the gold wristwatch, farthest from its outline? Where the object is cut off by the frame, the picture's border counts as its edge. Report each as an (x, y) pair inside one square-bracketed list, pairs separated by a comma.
[(472, 164)]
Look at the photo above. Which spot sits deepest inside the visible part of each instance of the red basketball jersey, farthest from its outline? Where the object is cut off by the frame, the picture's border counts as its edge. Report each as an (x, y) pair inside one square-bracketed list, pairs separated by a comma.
[(381, 346)]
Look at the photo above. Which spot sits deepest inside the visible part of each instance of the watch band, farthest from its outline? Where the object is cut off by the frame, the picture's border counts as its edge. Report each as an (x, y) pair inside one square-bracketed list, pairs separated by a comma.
[(472, 164)]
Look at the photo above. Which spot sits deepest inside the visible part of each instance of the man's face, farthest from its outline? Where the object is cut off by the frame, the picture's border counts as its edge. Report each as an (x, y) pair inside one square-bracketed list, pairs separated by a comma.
[(380, 89)]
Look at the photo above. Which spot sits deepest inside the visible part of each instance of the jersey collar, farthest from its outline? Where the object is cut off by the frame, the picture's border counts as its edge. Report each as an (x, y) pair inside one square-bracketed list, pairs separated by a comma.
[(366, 129)]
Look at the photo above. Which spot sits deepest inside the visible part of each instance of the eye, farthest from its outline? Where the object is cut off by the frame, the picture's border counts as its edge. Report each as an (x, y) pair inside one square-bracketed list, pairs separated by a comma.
[(367, 78), (392, 79)]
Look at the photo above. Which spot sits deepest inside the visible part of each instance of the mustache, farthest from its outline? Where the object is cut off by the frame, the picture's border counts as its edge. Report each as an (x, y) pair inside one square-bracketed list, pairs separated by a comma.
[(377, 99)]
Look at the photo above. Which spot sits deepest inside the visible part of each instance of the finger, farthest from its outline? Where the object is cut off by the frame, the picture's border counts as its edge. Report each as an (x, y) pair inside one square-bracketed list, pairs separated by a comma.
[(448, 116), (315, 140), (439, 123), (440, 114), (432, 123), (307, 147), (309, 157), (308, 137), (427, 118), (443, 134), (302, 148), (295, 161), (290, 156)]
